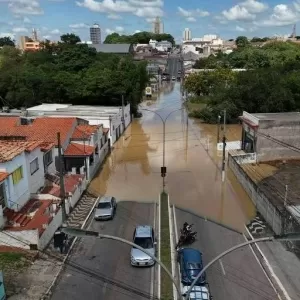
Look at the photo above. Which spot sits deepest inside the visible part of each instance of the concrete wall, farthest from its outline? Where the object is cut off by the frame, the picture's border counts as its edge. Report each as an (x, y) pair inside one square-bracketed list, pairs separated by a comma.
[(19, 193), (260, 200), (51, 167), (47, 235), (286, 131), (37, 179), (20, 239)]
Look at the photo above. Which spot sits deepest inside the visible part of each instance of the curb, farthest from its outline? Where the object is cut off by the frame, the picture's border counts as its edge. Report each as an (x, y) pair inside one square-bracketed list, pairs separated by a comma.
[(159, 241), (67, 255), (269, 271)]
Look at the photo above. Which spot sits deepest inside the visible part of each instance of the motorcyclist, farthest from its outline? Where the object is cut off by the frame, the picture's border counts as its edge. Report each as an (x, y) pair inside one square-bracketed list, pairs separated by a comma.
[(187, 229)]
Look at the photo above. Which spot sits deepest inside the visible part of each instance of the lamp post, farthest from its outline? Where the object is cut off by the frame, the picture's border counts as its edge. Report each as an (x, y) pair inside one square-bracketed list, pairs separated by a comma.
[(164, 120), (283, 237), (86, 233)]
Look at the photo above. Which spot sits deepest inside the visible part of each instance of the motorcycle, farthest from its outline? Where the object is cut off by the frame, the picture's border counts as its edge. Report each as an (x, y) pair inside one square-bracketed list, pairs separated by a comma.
[(187, 236)]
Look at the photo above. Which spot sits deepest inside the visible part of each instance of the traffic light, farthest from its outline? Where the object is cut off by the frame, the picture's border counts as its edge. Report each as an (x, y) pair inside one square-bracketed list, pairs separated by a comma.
[(163, 171)]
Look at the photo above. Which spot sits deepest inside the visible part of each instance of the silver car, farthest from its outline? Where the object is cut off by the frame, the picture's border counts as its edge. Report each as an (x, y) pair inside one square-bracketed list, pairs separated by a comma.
[(106, 208), (144, 237)]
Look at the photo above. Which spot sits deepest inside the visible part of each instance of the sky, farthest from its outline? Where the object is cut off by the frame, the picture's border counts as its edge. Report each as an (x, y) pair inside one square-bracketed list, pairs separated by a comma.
[(226, 18)]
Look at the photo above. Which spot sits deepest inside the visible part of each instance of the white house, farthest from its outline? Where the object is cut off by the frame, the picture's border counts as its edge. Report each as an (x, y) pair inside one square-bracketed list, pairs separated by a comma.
[(116, 119)]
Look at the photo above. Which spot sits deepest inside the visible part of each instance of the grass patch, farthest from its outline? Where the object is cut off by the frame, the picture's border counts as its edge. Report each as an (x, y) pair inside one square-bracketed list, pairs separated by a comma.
[(165, 249), (196, 104), (12, 264)]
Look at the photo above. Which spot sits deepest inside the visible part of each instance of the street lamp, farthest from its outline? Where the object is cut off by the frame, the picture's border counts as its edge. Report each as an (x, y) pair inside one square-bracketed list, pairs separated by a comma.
[(283, 237), (84, 233), (163, 168)]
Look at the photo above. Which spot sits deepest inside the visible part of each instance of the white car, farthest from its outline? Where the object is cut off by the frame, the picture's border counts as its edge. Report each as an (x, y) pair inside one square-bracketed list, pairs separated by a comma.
[(197, 293), (173, 78)]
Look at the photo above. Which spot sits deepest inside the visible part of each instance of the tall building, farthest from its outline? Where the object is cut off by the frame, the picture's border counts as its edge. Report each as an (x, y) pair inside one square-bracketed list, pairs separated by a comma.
[(34, 35), (158, 26), (187, 34), (95, 34)]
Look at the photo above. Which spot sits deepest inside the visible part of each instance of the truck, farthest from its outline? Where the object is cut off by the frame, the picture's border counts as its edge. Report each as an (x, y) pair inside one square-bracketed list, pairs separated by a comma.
[(148, 92)]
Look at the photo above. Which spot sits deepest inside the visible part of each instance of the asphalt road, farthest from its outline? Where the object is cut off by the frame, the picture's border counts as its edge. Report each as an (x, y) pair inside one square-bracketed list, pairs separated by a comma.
[(100, 269), (238, 275), (173, 65)]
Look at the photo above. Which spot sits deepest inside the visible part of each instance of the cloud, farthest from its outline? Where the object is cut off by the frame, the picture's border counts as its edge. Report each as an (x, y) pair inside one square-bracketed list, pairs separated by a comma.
[(118, 29), (114, 17), (140, 8), (241, 29), (24, 7), (191, 19), (19, 30), (55, 31), (137, 31), (46, 37), (26, 20), (191, 15), (282, 15), (7, 34), (79, 25), (245, 11)]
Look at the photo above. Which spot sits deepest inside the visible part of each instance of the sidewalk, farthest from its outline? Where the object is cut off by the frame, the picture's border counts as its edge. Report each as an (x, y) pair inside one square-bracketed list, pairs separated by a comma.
[(286, 266)]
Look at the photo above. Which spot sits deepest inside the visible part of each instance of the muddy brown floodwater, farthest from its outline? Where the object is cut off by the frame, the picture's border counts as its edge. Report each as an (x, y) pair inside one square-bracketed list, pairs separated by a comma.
[(132, 172)]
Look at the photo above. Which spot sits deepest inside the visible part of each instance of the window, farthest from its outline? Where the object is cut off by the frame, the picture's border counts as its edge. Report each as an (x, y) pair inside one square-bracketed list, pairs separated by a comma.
[(34, 166), (97, 150), (48, 158), (17, 175)]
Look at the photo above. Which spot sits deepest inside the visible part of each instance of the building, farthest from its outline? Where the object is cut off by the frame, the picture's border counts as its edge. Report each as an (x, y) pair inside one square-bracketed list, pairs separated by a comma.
[(95, 34), (34, 35), (267, 135), (158, 26), (124, 49), (30, 44), (116, 119), (163, 46), (187, 34)]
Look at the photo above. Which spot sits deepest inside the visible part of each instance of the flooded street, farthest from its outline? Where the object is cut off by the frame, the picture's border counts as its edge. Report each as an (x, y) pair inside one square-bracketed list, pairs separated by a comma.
[(132, 172)]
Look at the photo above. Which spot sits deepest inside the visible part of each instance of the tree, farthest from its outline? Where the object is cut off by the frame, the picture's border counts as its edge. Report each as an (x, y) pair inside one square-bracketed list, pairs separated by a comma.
[(6, 41), (242, 42), (70, 38)]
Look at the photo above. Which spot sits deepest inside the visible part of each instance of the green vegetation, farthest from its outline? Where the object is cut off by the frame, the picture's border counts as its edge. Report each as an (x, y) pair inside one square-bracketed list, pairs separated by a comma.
[(165, 248), (271, 82), (138, 38), (6, 41), (70, 73)]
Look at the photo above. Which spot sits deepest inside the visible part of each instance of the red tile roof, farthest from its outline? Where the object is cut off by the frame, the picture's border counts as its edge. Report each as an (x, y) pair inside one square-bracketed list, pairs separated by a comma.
[(75, 149), (3, 176), (10, 149), (71, 183), (33, 215), (84, 131), (9, 122), (42, 129)]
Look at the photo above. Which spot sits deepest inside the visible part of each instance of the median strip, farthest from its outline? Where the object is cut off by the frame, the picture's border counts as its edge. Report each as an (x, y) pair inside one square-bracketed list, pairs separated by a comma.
[(166, 290)]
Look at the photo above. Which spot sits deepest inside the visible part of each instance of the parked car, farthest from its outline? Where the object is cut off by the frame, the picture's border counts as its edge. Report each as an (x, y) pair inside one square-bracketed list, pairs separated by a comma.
[(144, 237), (106, 208), (197, 293), (173, 78), (190, 263)]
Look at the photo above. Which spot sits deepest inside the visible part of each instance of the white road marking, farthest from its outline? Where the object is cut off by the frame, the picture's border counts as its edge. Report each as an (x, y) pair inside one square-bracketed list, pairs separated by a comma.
[(270, 269), (222, 267)]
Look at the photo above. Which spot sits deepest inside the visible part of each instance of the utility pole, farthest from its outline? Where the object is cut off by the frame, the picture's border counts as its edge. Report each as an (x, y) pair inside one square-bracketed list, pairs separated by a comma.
[(61, 179), (218, 129), (123, 114), (224, 147)]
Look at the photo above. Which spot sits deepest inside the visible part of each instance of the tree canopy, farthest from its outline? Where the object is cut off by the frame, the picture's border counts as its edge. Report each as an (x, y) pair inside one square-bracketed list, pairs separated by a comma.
[(270, 83), (138, 38), (69, 73), (7, 41)]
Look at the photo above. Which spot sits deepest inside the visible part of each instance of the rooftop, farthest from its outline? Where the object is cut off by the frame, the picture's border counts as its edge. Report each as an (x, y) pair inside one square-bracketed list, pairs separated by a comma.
[(290, 116), (33, 215), (111, 48), (3, 176), (84, 131), (75, 149), (10, 149)]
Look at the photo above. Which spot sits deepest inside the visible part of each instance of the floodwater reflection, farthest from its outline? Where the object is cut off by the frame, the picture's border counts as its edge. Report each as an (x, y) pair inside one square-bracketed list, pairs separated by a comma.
[(132, 172)]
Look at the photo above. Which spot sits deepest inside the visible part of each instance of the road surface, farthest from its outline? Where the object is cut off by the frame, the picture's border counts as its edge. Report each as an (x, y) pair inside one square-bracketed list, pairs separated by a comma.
[(236, 276), (173, 65), (100, 269)]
